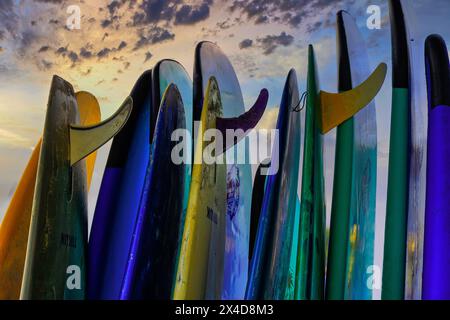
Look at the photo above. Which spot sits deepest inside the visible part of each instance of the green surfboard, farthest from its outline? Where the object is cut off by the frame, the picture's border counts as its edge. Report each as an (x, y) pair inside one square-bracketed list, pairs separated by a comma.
[(311, 242)]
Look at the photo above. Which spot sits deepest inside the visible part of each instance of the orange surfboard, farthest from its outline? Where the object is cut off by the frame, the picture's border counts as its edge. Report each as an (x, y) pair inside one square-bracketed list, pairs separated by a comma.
[(15, 226)]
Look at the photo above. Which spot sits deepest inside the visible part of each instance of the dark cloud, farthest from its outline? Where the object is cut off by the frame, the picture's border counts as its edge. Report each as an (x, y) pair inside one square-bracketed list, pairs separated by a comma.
[(153, 36), (86, 53), (2, 35), (179, 12), (188, 14), (106, 23), (113, 6), (224, 25), (271, 42), (65, 52), (122, 45), (103, 53), (61, 51), (51, 1), (262, 19), (244, 44), (148, 56), (73, 56), (44, 49), (8, 17), (154, 11), (290, 12)]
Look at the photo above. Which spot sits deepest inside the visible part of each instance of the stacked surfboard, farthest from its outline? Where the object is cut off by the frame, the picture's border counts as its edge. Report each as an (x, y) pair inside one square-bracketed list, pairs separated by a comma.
[(179, 215)]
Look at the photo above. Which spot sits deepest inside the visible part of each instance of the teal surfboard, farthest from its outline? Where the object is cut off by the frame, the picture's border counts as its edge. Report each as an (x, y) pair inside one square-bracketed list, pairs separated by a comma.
[(352, 233), (394, 262), (311, 240), (269, 275)]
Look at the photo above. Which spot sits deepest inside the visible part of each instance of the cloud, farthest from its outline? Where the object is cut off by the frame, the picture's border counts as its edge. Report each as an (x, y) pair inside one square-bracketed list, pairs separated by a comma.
[(103, 53), (122, 45), (269, 119), (270, 43), (86, 53), (46, 65), (8, 17), (8, 137), (153, 36), (66, 53), (244, 44), (289, 12), (148, 56), (44, 49), (154, 11), (189, 14)]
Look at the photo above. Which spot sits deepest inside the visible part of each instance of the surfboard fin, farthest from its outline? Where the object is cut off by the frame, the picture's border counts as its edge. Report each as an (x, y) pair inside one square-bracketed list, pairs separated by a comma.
[(245, 122), (85, 140), (336, 108)]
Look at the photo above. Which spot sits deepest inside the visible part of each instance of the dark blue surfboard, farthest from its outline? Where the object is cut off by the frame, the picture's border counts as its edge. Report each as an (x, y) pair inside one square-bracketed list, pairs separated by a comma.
[(153, 253), (118, 201)]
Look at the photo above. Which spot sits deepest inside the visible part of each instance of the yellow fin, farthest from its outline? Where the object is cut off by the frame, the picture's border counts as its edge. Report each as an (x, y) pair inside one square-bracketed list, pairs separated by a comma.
[(336, 108)]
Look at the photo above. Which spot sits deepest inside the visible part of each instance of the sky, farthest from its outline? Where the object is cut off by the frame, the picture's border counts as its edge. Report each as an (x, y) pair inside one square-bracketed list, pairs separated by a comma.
[(118, 40)]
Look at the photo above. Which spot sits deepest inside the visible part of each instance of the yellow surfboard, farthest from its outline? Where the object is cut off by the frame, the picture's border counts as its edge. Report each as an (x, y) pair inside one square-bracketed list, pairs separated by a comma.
[(15, 226), (205, 218)]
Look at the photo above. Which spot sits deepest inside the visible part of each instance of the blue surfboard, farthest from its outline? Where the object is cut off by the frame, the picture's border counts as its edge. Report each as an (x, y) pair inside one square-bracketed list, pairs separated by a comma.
[(153, 253), (119, 198), (271, 259)]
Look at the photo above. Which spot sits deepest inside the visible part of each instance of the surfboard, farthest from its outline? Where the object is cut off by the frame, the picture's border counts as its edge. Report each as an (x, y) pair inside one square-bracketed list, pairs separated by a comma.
[(164, 73), (310, 278), (153, 253), (268, 276), (206, 210), (119, 198), (351, 248), (259, 185), (55, 259), (211, 61), (15, 226), (436, 259), (292, 276), (200, 267), (394, 262), (417, 156)]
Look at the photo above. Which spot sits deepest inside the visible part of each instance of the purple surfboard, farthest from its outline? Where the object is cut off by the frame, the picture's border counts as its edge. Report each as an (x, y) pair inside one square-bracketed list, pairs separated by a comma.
[(436, 276)]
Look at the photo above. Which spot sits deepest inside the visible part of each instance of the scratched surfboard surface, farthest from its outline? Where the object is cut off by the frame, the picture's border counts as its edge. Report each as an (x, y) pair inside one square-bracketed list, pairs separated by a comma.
[(418, 157), (211, 61), (362, 214), (55, 262), (205, 217)]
